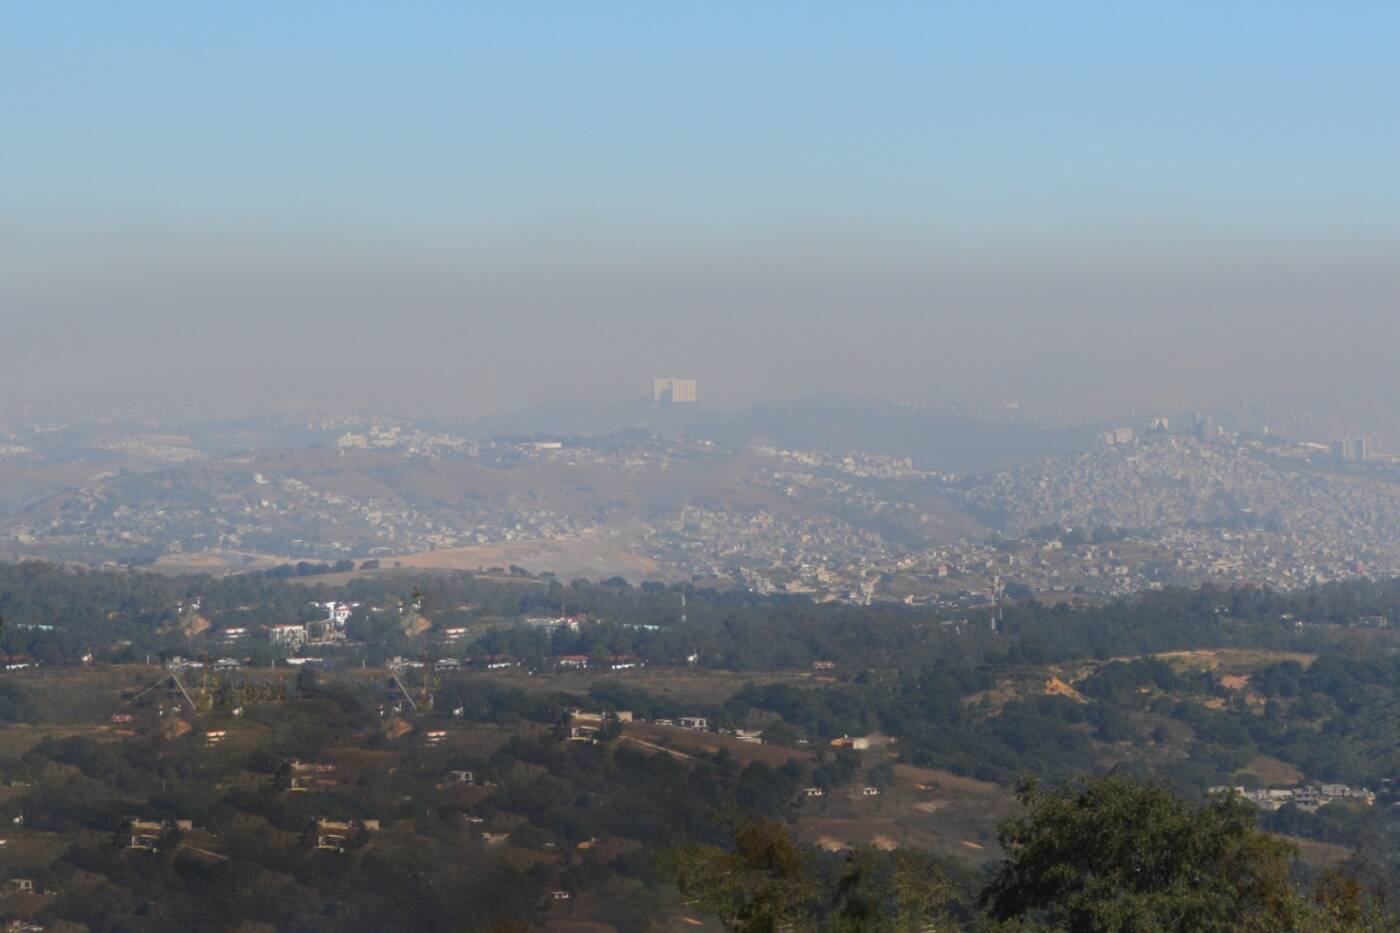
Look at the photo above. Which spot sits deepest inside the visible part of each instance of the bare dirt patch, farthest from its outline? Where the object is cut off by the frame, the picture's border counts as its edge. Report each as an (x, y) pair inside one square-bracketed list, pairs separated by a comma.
[(923, 808), (1272, 772), (594, 555), (416, 624), (194, 624), (1055, 687)]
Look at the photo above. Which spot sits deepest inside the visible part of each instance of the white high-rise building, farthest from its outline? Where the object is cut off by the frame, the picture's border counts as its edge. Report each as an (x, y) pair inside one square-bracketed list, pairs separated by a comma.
[(671, 391)]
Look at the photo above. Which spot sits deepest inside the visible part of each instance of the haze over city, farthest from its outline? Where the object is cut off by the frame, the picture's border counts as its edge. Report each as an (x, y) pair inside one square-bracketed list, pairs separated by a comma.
[(270, 208)]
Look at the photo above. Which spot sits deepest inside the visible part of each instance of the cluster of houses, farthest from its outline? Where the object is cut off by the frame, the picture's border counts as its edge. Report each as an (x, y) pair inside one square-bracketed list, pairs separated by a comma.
[(555, 623), (178, 665), (584, 725), (1306, 797), (500, 662), (616, 662), (489, 662), (292, 638)]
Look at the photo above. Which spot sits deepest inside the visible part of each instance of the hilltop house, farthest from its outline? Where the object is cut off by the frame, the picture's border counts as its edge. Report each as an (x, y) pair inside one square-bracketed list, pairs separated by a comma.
[(144, 835), (584, 725), (862, 742), (304, 775), (335, 835)]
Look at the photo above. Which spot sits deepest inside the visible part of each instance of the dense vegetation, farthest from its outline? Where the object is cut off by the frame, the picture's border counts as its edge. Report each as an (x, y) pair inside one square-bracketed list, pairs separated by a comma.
[(1052, 693)]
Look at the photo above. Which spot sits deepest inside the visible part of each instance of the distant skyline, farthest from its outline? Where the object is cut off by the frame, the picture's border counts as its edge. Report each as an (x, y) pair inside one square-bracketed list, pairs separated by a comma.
[(424, 207)]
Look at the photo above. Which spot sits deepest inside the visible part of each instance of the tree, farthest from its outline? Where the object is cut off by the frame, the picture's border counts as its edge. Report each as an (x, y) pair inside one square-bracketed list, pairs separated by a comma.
[(881, 775), (1015, 590), (16, 703), (1115, 854), (1342, 903), (766, 883), (308, 681), (898, 891), (759, 886)]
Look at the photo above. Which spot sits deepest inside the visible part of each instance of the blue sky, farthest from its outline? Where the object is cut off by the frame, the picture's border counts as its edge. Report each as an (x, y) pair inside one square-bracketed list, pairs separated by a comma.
[(151, 141), (428, 124)]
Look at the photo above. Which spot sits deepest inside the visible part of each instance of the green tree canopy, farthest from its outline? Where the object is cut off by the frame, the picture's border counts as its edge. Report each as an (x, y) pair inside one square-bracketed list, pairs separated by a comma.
[(1115, 854)]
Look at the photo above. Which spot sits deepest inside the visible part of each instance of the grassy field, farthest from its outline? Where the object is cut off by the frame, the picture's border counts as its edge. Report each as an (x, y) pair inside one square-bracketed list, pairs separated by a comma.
[(1232, 660), (16, 739), (26, 849), (696, 744), (1320, 854)]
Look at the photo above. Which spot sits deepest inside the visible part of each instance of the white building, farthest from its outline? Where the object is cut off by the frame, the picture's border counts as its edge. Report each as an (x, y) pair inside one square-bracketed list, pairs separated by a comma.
[(290, 636), (672, 391)]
